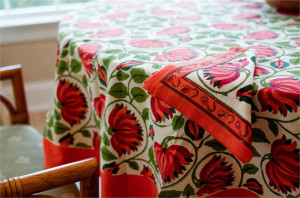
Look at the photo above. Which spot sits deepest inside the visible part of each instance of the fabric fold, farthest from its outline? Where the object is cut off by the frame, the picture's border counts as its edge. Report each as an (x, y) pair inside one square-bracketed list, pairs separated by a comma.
[(214, 92)]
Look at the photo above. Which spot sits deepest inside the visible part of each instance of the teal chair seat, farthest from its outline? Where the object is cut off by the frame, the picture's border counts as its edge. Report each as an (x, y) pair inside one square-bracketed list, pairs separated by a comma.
[(21, 153)]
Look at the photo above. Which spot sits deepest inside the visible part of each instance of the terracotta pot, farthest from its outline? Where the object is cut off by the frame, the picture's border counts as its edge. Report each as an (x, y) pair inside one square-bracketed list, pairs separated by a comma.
[(285, 5)]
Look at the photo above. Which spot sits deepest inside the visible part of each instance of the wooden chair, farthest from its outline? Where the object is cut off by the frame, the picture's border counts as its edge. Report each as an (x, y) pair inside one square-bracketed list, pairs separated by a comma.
[(85, 171), (19, 113)]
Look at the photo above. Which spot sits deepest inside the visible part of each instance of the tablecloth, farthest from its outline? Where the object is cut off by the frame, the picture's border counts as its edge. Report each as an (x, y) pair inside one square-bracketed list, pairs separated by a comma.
[(106, 51)]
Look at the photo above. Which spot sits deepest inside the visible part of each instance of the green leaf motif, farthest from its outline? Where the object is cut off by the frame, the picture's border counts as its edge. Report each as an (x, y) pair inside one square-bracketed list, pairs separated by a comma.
[(255, 89), (72, 48), (295, 54), (121, 56), (64, 53), (61, 67), (170, 193), (106, 154), (80, 144), (177, 122), (107, 61), (122, 75), (295, 61), (60, 128), (145, 114), (133, 165), (118, 90), (188, 190), (218, 49), (96, 120), (255, 153), (285, 44), (259, 136), (156, 66), (273, 127), (113, 51), (111, 165), (138, 75), (215, 144), (85, 81), (263, 60), (296, 72), (141, 57), (49, 134), (110, 131), (250, 169), (51, 120), (85, 133), (117, 42), (139, 95), (105, 140), (75, 66)]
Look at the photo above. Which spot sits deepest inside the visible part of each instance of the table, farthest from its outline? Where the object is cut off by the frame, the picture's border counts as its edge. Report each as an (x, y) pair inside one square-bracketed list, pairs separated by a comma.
[(106, 51)]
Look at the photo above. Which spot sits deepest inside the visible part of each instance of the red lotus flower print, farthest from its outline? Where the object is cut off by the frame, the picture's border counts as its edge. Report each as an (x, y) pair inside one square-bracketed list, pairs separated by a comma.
[(87, 53), (96, 141), (108, 33), (188, 18), (89, 25), (259, 71), (281, 95), (245, 94), (171, 160), (115, 16), (279, 64), (151, 132), (194, 131), (246, 16), (161, 110), (253, 6), (66, 140), (134, 6), (177, 55), (215, 175), (148, 43), (147, 172), (254, 185), (264, 51), (127, 132), (128, 65), (102, 75), (226, 73), (174, 30), (185, 4), (99, 104), (72, 102), (228, 26), (283, 170), (262, 35), (229, 1), (111, 168)]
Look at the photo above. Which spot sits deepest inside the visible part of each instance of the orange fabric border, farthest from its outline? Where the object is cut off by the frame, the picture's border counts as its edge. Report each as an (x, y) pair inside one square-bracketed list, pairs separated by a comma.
[(56, 155), (164, 85), (127, 186)]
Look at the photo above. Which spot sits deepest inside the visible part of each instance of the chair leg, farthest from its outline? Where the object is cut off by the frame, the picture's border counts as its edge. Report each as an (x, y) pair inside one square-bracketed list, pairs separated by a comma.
[(90, 186)]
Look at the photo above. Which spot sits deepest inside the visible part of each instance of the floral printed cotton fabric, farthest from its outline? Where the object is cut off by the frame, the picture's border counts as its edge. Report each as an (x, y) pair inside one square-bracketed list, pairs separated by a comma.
[(106, 51), (215, 93)]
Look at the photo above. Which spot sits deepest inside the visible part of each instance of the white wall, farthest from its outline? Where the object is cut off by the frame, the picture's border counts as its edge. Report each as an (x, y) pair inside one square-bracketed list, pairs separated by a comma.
[(38, 66)]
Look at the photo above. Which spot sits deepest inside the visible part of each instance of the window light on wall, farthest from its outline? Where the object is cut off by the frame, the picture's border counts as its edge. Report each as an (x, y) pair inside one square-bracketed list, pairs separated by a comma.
[(6, 5), (29, 20)]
